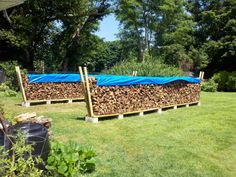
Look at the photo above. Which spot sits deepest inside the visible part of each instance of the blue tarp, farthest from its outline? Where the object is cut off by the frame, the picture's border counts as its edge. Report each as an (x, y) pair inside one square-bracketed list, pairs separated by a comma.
[(110, 80), (37, 78)]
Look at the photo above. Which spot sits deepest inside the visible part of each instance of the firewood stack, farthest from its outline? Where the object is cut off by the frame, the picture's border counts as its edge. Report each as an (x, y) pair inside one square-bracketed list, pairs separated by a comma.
[(120, 99), (49, 91), (33, 118)]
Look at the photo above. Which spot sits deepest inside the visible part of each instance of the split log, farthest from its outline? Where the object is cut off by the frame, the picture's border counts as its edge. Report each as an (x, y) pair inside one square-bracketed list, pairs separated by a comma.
[(32, 118)]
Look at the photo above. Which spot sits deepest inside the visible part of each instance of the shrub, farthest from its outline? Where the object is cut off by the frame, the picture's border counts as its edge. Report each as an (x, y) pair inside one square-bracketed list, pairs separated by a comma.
[(148, 68), (17, 164), (1, 109), (9, 69), (209, 86), (10, 93), (226, 81), (3, 87), (70, 159)]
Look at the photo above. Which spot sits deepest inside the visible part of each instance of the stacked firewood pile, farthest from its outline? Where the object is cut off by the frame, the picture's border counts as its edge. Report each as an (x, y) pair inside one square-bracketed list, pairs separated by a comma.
[(49, 90), (121, 99), (33, 118)]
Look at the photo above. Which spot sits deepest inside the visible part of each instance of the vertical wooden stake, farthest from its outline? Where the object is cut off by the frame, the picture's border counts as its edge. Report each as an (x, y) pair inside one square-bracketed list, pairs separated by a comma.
[(202, 75), (18, 73), (88, 93), (84, 88), (134, 73), (82, 79)]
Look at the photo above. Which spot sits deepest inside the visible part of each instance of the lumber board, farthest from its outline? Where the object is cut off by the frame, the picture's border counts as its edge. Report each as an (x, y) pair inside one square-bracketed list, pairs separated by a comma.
[(144, 111), (54, 100), (89, 100), (84, 88), (18, 74)]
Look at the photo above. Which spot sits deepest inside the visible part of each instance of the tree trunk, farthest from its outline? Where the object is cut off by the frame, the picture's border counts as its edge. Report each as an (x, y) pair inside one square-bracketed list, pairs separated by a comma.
[(29, 60), (140, 50), (75, 36), (65, 63)]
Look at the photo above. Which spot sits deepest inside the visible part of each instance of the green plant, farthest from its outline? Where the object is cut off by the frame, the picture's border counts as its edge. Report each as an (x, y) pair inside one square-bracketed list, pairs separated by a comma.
[(14, 163), (70, 159), (1, 109), (226, 81), (9, 69), (148, 68), (209, 86), (10, 93), (3, 87)]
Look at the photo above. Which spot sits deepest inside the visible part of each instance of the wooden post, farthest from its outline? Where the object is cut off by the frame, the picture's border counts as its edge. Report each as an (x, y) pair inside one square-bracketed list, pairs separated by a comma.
[(18, 73), (134, 73), (201, 75), (90, 106), (84, 88), (82, 79)]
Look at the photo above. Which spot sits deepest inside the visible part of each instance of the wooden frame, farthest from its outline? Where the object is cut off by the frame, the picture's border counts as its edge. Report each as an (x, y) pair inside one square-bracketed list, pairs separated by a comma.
[(27, 102), (121, 115), (201, 75), (147, 110)]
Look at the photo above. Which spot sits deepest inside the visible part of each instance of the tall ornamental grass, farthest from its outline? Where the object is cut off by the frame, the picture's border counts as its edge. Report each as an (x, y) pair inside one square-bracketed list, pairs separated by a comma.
[(147, 68)]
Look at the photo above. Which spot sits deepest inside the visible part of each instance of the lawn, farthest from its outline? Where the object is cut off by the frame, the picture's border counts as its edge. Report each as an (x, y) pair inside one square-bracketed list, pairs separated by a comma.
[(194, 141)]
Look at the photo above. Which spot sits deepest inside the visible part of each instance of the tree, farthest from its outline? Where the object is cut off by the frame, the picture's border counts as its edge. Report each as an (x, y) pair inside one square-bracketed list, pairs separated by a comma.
[(216, 32), (159, 28), (27, 29), (23, 29), (83, 19), (174, 39), (136, 17)]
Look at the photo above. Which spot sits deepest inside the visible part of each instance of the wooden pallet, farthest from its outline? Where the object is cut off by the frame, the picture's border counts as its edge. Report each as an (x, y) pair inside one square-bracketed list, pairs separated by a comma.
[(95, 118), (28, 103)]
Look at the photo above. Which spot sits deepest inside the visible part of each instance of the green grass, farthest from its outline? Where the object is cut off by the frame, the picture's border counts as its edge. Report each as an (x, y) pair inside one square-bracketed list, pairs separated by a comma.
[(194, 141)]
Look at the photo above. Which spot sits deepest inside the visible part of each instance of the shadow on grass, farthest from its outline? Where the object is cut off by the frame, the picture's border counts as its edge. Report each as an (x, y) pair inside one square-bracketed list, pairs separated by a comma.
[(18, 104), (80, 118)]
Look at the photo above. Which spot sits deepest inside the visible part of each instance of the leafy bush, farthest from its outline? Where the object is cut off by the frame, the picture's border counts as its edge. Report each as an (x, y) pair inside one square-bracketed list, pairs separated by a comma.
[(9, 69), (3, 87), (16, 164), (226, 81), (70, 159), (10, 93), (209, 86), (148, 68), (7, 91), (1, 109)]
